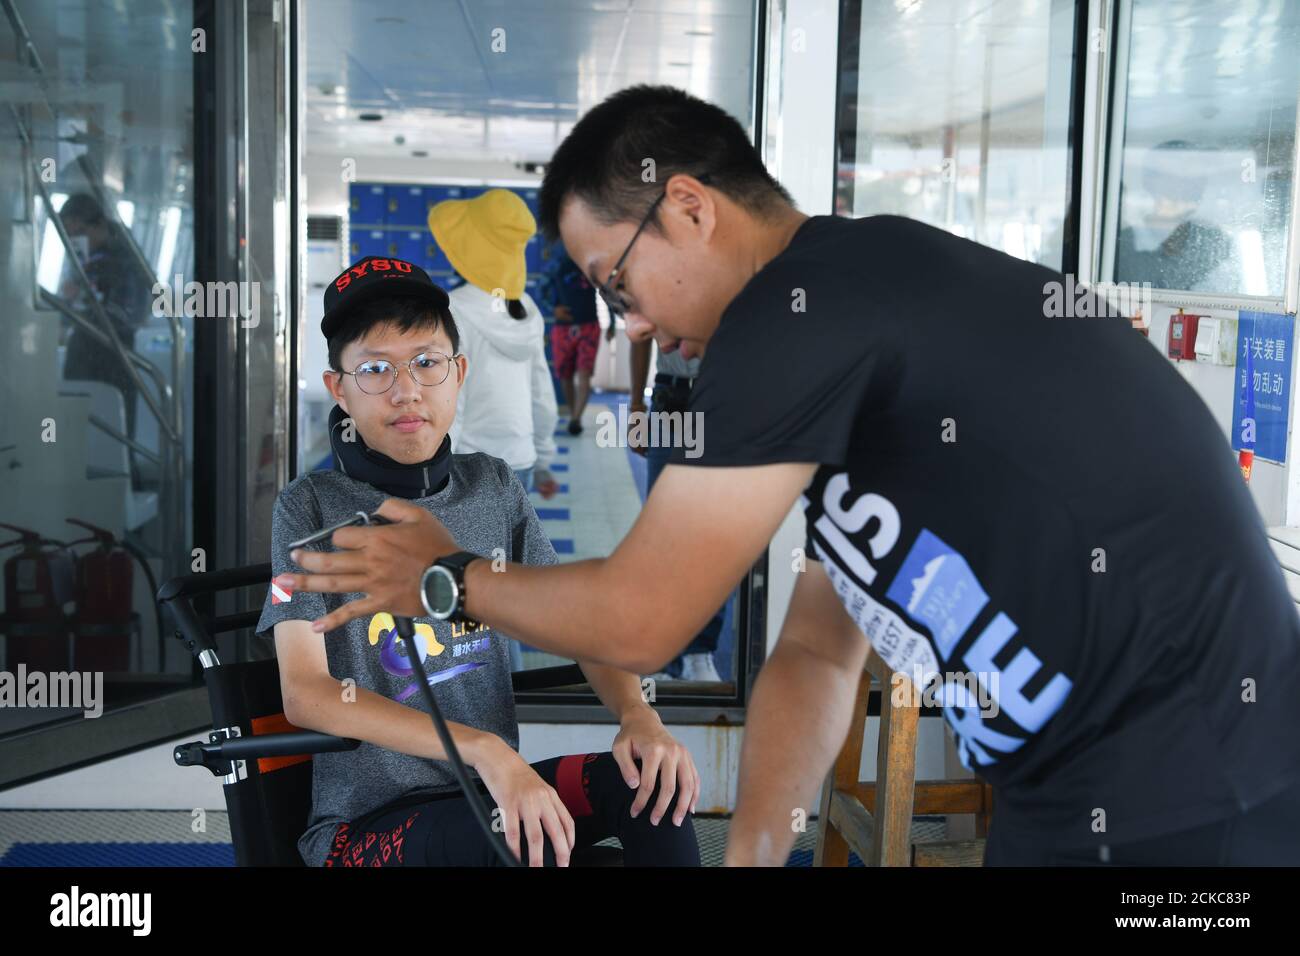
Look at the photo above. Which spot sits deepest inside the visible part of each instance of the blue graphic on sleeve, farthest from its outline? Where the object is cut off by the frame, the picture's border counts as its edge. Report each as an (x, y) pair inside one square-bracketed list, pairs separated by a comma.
[(939, 590)]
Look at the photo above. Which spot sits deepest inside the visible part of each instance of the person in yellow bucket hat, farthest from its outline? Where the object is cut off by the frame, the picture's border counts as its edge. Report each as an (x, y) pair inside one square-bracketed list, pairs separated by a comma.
[(484, 238), (506, 407)]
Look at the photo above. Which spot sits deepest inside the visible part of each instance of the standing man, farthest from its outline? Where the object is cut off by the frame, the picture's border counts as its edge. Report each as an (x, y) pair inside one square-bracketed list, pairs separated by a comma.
[(575, 337), (1040, 504)]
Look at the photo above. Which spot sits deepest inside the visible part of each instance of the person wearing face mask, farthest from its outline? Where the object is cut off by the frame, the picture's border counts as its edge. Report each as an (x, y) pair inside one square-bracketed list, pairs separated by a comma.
[(507, 406), (396, 371)]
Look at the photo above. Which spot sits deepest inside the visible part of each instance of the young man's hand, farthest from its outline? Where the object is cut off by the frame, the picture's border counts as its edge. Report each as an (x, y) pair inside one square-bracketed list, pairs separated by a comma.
[(528, 804), (545, 483), (664, 760), (383, 562)]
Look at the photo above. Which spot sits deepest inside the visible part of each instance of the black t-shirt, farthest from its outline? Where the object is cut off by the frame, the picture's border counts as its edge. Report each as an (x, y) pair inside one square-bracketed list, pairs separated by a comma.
[(1040, 503)]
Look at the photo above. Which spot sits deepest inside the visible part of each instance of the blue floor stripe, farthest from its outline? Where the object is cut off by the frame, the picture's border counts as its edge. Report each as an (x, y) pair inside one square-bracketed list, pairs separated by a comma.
[(552, 514), (562, 545), (119, 854), (560, 467)]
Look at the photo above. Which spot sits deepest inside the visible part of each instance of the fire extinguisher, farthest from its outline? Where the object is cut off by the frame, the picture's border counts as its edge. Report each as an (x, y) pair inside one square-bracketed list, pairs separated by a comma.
[(40, 582), (105, 619)]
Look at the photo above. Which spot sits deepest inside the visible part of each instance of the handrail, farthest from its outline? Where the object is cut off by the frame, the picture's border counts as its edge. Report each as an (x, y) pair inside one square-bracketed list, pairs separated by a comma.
[(142, 363), (128, 442)]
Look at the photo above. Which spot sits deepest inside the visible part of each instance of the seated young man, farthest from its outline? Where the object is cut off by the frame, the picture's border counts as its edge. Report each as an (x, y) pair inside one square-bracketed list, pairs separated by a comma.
[(395, 373)]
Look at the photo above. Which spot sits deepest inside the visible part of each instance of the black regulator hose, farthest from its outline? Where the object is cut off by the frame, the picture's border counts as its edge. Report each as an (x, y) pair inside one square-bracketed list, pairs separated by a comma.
[(406, 631)]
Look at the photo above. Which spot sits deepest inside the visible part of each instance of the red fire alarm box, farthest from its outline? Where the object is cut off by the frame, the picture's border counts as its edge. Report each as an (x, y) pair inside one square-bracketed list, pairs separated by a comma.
[(1182, 336)]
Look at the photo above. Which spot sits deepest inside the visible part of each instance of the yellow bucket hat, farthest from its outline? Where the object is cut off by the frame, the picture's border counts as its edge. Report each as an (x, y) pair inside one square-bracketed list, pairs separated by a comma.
[(484, 238)]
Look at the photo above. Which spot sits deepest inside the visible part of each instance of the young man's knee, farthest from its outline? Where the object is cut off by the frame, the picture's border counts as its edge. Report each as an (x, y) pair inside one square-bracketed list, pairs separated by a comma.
[(609, 776)]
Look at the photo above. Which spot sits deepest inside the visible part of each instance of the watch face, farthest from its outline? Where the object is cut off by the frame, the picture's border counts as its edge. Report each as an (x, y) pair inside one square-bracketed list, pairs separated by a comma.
[(441, 592)]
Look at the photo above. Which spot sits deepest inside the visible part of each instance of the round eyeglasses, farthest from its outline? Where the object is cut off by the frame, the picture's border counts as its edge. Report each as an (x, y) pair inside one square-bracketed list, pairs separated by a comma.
[(376, 376)]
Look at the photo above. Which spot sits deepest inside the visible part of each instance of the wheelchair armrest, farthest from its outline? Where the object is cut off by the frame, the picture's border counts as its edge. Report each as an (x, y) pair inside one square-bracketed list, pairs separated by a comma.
[(207, 582), (293, 744)]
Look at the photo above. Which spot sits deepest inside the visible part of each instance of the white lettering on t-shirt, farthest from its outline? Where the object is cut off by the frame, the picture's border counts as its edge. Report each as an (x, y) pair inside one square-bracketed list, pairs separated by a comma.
[(854, 520)]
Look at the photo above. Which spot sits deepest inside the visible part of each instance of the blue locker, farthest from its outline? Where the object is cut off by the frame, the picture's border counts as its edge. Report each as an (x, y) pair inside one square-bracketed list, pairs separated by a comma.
[(432, 196), (530, 198), (436, 194), (546, 254), (533, 254), (366, 206), (369, 242), (405, 205), (410, 246), (434, 257)]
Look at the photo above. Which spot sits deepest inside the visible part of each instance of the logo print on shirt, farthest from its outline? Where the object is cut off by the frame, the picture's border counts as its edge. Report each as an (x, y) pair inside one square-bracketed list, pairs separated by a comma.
[(281, 594), (392, 652), (939, 590)]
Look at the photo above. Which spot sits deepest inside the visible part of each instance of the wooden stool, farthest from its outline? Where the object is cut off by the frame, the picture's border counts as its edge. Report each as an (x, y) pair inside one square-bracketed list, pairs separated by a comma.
[(849, 806)]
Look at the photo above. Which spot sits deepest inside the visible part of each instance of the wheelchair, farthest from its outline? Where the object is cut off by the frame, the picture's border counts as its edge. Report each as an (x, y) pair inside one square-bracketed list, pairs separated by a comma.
[(264, 762)]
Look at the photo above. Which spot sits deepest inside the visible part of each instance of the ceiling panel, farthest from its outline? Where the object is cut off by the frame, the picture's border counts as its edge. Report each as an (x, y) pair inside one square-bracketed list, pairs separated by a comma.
[(429, 68)]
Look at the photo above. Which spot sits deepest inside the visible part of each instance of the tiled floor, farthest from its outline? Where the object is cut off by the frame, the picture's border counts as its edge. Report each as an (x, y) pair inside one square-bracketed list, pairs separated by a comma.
[(598, 499), (179, 838), (601, 493)]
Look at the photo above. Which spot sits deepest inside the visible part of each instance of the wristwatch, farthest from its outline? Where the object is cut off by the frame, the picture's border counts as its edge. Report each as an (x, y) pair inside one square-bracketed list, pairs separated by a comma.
[(442, 589)]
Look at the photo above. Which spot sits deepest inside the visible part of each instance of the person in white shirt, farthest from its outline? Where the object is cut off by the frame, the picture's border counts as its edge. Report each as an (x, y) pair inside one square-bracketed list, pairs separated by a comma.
[(506, 407)]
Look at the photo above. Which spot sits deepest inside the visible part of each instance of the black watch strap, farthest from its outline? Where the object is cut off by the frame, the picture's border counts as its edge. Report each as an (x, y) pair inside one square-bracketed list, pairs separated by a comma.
[(457, 563)]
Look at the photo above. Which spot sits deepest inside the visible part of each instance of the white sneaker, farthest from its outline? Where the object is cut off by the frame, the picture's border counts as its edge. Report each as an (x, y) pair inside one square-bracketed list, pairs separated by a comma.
[(699, 667)]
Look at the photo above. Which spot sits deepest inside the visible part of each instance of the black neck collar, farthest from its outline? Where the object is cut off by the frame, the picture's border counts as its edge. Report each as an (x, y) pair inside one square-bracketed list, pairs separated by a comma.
[(358, 460)]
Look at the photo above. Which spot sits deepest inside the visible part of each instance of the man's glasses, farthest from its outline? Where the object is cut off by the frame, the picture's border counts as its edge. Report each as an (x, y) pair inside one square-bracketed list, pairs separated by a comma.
[(376, 376), (615, 300)]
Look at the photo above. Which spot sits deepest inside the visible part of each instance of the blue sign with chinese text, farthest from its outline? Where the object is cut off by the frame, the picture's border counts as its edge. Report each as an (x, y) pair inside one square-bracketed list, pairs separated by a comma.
[(1263, 384)]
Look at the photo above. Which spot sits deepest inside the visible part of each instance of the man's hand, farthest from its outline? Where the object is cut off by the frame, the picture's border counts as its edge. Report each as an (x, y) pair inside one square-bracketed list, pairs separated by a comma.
[(529, 803), (639, 448), (563, 313), (642, 735), (383, 562)]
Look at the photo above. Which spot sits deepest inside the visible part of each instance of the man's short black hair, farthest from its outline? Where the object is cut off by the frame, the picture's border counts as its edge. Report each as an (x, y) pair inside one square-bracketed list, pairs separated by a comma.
[(603, 158), (82, 208), (405, 312)]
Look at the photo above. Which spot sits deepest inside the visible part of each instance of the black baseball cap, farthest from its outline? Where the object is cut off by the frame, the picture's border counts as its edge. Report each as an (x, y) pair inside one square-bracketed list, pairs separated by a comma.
[(371, 278)]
